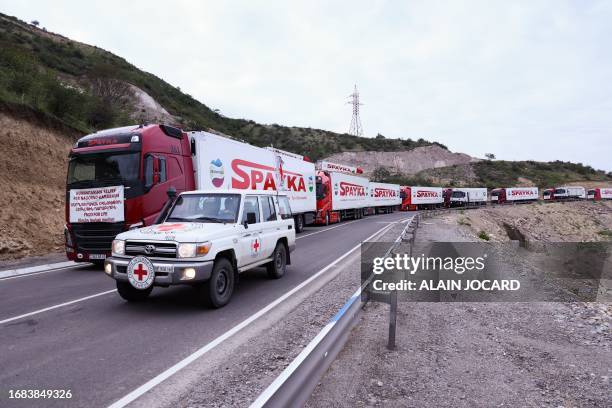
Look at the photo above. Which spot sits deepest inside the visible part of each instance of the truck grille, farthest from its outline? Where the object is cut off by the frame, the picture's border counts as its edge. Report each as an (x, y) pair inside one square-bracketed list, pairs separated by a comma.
[(157, 249), (96, 237)]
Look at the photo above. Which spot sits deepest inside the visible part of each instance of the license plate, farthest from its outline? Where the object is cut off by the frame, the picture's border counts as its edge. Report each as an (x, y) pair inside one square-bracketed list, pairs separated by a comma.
[(163, 268), (97, 256)]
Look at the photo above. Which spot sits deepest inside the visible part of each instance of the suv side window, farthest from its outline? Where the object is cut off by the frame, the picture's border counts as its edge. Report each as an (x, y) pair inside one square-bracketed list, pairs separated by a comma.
[(284, 207), (251, 205), (267, 208)]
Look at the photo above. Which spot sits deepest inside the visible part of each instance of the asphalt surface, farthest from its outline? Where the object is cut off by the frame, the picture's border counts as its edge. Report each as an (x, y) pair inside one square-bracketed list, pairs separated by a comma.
[(102, 348)]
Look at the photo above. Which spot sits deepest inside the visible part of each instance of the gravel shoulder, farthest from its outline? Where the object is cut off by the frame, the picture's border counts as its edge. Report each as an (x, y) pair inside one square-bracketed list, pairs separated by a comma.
[(474, 354)]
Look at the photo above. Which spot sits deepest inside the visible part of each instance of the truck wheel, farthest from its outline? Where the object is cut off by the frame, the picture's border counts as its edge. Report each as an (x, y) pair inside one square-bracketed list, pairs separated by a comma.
[(217, 291), (131, 294), (276, 268), (299, 223)]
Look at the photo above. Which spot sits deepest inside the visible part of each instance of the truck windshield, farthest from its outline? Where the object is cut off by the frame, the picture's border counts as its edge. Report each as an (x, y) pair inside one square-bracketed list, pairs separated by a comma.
[(458, 194), (221, 208), (103, 168), (560, 191)]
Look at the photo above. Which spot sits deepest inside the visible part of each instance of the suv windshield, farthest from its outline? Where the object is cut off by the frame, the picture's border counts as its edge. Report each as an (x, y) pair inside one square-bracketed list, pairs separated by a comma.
[(222, 208), (104, 168)]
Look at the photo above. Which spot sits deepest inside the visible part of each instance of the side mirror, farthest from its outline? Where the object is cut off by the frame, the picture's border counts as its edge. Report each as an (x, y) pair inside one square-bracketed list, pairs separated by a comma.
[(245, 224), (251, 218), (171, 193)]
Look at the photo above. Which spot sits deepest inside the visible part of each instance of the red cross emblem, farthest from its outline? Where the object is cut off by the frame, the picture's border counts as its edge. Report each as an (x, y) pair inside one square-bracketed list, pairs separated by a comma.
[(140, 272), (170, 227), (256, 245)]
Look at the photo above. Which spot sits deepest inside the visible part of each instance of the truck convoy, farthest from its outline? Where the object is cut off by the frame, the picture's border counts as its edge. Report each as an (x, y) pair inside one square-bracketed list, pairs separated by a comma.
[(205, 239), (118, 180)]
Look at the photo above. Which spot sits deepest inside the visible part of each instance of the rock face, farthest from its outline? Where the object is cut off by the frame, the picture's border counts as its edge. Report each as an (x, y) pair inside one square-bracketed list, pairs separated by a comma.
[(407, 162), (148, 109)]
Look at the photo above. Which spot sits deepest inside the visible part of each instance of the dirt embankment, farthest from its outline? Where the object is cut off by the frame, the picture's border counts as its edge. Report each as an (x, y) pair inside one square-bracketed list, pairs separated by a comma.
[(545, 222), (32, 181)]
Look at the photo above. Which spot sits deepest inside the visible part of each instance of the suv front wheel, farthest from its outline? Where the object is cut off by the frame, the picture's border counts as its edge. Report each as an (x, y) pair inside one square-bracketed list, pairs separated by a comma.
[(276, 268), (217, 291)]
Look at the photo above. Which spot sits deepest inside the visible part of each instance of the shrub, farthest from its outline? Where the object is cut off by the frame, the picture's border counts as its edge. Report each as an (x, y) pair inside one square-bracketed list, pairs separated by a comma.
[(484, 236)]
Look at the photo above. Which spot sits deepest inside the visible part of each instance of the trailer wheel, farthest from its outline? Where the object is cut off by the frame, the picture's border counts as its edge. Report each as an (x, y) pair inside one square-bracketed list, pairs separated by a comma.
[(299, 223), (276, 268), (217, 291), (131, 294)]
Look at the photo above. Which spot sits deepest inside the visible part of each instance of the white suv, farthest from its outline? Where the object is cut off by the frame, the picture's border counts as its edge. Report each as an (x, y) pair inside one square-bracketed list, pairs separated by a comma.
[(206, 239)]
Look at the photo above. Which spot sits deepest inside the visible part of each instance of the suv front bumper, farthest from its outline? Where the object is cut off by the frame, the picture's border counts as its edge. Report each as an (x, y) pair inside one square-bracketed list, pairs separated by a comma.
[(167, 272)]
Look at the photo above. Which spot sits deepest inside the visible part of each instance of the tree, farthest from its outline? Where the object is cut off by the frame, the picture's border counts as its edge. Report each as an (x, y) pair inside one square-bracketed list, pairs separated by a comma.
[(35, 23), (490, 156), (381, 174)]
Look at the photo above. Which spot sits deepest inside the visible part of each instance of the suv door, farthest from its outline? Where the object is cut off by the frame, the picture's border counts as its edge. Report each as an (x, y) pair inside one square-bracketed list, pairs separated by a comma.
[(250, 241), (270, 225)]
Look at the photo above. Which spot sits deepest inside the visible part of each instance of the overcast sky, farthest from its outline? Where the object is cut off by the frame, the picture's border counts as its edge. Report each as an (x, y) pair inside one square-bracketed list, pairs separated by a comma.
[(520, 79)]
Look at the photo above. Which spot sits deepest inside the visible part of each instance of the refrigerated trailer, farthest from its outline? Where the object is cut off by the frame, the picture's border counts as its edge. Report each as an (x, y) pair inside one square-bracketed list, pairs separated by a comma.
[(459, 197), (603, 193), (384, 197), (416, 198), (514, 195), (118, 179)]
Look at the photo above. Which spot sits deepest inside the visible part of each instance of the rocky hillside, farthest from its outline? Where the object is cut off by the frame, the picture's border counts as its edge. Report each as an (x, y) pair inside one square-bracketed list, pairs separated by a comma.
[(403, 162)]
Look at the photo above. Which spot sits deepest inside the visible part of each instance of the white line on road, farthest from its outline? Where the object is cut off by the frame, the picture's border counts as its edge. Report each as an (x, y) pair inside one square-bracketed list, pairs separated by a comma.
[(132, 396), (38, 269), (46, 309), (327, 229)]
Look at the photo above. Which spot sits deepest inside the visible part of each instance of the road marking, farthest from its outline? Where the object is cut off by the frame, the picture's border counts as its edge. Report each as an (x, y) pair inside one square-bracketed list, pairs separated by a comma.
[(46, 309), (31, 270), (341, 224), (138, 392), (25, 275)]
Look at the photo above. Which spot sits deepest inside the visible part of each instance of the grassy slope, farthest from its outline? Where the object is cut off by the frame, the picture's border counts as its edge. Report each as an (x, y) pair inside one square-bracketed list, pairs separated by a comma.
[(58, 56)]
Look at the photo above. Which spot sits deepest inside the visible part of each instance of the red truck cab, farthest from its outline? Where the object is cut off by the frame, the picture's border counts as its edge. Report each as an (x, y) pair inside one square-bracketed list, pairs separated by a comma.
[(145, 160), (324, 215), (498, 195), (405, 196)]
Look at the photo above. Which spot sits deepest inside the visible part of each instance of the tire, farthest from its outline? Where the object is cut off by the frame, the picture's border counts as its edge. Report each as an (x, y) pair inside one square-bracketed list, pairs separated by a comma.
[(217, 291), (299, 223), (131, 294), (327, 218), (278, 266)]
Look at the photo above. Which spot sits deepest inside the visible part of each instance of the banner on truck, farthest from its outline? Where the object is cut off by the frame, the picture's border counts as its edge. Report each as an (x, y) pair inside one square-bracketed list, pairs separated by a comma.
[(103, 204), (384, 194)]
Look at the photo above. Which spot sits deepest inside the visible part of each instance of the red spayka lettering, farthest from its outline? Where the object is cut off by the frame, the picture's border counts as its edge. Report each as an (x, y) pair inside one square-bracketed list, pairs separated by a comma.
[(349, 189), (422, 193), (383, 192), (254, 176)]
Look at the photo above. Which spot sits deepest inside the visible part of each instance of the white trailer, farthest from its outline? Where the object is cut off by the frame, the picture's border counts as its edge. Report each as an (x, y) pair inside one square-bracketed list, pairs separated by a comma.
[(568, 192), (349, 191), (466, 196), (384, 196), (221, 163), (426, 195)]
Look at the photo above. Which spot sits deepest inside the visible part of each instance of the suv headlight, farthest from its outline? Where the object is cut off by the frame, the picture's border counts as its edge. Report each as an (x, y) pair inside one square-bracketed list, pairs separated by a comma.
[(191, 250), (118, 247)]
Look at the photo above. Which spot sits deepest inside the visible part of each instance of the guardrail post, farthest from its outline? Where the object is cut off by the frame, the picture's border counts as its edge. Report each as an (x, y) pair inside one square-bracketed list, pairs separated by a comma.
[(392, 320)]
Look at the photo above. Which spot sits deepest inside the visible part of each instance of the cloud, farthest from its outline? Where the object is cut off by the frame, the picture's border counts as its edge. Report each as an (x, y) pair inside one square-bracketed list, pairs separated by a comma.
[(521, 79)]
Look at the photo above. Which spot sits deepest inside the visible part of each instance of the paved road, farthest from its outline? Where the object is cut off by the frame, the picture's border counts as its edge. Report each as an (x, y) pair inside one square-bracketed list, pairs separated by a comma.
[(102, 348)]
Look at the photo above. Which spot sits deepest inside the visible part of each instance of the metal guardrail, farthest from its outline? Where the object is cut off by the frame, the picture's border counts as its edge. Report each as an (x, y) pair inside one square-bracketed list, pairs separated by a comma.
[(295, 384)]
